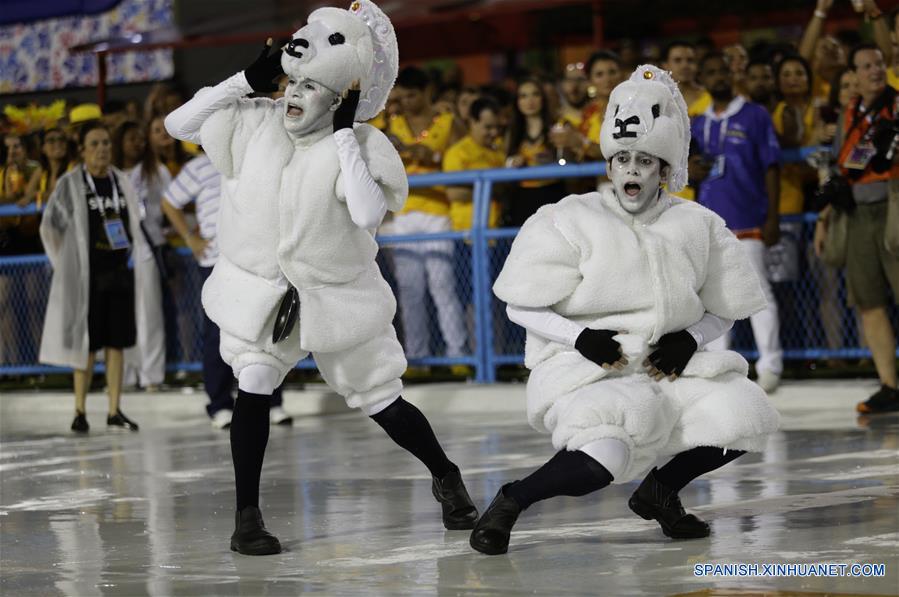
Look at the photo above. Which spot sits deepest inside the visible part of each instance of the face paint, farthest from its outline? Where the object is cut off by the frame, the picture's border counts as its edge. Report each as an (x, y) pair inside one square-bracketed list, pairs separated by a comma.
[(636, 177), (307, 107)]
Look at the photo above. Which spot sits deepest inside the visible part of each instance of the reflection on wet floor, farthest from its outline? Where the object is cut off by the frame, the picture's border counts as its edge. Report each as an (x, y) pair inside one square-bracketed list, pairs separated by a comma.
[(150, 514)]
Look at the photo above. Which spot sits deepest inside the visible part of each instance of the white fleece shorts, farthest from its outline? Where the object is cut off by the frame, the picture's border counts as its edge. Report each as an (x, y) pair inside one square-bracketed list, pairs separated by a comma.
[(654, 419), (364, 375)]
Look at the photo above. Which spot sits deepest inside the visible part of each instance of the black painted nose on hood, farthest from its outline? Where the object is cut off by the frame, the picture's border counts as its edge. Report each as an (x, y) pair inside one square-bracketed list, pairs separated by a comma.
[(294, 45)]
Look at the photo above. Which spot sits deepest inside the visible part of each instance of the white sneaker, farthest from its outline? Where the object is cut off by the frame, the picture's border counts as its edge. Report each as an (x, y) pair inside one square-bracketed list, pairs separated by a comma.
[(768, 381), (278, 417), (222, 418)]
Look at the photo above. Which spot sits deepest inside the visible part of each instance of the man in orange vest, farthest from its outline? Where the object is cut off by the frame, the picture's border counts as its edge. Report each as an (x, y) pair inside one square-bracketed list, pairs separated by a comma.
[(869, 146)]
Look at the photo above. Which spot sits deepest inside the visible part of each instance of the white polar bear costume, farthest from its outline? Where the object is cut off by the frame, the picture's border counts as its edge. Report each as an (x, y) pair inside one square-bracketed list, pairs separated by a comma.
[(285, 218), (645, 275)]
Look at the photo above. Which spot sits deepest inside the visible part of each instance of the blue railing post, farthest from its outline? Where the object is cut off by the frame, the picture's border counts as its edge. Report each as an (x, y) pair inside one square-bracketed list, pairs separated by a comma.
[(477, 282), (484, 307)]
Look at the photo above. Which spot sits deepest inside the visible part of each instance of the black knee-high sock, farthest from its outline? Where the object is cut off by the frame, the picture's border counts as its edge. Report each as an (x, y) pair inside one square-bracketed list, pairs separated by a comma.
[(409, 428), (688, 465), (249, 436), (567, 473)]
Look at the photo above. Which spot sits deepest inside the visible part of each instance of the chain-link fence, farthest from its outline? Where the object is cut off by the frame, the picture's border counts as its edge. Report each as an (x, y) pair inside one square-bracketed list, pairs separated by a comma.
[(447, 314)]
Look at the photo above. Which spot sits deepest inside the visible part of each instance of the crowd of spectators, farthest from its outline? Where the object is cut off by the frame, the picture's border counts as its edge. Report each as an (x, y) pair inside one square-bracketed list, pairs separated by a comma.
[(536, 118)]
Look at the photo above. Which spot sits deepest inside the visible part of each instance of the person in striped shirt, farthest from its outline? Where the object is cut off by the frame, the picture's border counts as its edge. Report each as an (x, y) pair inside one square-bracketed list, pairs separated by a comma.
[(200, 182)]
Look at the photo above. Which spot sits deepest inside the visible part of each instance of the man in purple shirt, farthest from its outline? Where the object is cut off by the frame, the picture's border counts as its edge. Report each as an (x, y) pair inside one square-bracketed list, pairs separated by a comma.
[(737, 163)]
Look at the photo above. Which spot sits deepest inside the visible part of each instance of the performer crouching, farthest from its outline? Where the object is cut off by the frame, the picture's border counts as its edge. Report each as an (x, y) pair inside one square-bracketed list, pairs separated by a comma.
[(619, 291), (297, 271)]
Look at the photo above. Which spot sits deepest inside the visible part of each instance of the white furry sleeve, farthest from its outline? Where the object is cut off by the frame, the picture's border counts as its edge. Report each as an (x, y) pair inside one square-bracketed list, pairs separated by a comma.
[(731, 289), (543, 265), (546, 323), (185, 122), (379, 157), (364, 198)]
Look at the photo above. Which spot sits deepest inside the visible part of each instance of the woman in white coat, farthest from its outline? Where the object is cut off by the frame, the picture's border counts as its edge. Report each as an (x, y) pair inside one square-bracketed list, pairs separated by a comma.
[(91, 233), (619, 291)]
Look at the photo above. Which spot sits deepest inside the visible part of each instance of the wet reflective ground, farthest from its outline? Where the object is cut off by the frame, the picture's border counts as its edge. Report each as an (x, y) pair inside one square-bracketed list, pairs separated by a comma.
[(150, 513)]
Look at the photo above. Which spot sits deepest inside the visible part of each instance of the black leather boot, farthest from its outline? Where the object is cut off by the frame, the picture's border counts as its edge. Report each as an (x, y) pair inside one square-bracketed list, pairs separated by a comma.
[(459, 512), (652, 500), (492, 531), (250, 537)]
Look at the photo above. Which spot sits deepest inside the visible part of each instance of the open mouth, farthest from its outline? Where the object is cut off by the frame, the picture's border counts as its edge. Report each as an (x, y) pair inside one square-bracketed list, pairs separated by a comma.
[(632, 189), (294, 111)]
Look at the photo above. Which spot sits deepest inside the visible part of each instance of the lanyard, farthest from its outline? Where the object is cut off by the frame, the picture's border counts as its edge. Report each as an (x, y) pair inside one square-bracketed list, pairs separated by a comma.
[(707, 132), (89, 181)]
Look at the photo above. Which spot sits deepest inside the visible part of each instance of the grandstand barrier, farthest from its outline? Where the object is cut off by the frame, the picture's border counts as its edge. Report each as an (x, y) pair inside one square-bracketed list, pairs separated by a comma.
[(815, 321)]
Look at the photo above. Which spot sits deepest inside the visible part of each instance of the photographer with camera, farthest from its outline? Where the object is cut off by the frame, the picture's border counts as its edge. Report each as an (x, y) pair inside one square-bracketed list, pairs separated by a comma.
[(867, 141)]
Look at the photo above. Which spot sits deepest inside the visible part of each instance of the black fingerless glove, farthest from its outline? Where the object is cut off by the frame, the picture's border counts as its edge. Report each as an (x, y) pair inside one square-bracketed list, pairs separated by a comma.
[(346, 111), (262, 73), (673, 352), (598, 346)]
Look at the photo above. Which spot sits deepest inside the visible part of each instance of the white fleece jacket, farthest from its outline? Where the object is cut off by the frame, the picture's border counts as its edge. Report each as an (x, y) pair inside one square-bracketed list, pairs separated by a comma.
[(646, 275), (287, 219)]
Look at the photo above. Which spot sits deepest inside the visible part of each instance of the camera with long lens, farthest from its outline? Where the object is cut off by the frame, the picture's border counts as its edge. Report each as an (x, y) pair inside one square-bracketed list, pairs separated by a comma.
[(836, 192)]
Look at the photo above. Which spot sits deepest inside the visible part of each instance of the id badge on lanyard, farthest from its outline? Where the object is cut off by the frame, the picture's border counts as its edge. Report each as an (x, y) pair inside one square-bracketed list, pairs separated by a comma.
[(860, 156), (719, 161), (115, 234), (114, 227)]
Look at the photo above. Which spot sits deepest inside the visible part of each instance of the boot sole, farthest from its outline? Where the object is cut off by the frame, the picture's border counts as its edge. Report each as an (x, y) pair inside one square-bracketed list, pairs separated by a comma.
[(459, 526), (267, 551), (486, 550), (864, 409), (644, 512)]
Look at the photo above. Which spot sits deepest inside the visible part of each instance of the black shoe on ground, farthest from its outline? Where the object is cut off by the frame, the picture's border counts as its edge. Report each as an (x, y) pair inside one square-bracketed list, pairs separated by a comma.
[(886, 400), (459, 512), (652, 500), (121, 421), (492, 531), (250, 536), (79, 425)]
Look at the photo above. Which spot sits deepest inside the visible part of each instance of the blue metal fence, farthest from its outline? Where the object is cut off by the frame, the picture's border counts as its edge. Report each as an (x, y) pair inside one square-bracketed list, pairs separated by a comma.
[(815, 320)]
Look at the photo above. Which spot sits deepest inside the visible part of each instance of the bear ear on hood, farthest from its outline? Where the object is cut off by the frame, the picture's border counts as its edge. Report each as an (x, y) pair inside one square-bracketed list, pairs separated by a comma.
[(668, 138)]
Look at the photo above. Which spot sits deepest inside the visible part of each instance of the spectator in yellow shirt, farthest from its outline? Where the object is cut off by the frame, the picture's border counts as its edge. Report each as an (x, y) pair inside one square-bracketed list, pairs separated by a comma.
[(737, 60), (476, 151), (573, 93), (528, 145), (893, 71), (422, 137), (795, 124), (827, 56), (760, 85), (604, 73), (679, 57)]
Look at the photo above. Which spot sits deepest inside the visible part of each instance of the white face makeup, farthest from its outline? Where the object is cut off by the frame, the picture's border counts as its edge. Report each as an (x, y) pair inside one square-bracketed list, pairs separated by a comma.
[(636, 177), (308, 107)]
